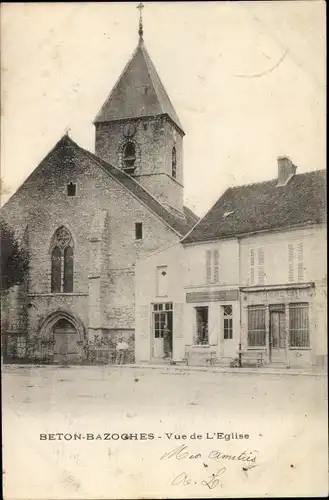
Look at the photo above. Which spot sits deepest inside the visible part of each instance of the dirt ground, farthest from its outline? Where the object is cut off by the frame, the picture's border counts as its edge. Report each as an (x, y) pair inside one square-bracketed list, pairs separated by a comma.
[(285, 417)]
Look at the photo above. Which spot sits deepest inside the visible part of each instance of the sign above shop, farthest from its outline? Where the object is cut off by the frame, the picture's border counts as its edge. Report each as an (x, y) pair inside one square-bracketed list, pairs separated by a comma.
[(212, 296)]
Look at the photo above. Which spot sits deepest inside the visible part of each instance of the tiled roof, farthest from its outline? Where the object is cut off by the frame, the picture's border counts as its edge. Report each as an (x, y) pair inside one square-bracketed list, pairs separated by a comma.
[(177, 224), (264, 206), (138, 92)]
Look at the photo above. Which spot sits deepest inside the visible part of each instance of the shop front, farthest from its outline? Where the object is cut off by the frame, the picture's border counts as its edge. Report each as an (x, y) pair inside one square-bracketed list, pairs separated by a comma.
[(211, 325), (280, 320)]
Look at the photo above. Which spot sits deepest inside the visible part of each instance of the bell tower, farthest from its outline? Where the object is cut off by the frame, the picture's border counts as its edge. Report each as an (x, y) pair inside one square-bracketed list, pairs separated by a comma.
[(138, 130)]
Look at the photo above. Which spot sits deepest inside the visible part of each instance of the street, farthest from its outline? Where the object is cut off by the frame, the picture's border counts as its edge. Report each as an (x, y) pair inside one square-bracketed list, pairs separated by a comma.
[(105, 422)]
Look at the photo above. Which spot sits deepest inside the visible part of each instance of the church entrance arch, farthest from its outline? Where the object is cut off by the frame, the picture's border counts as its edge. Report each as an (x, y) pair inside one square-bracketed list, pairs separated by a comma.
[(67, 334)]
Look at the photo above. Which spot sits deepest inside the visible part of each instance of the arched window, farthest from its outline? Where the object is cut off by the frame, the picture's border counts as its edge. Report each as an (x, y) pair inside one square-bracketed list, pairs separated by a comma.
[(62, 260), (129, 157), (56, 258), (173, 163), (68, 270)]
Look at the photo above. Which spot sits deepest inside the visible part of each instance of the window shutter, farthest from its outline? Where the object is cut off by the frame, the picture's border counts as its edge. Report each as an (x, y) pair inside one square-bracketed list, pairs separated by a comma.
[(208, 266), (291, 262), (252, 266), (216, 266), (261, 266), (300, 262)]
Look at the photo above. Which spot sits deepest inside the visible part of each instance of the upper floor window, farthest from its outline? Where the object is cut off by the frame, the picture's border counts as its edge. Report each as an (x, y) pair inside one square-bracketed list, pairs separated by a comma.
[(71, 189), (129, 157), (162, 281), (257, 266), (62, 260), (138, 231), (295, 262), (174, 163), (212, 266)]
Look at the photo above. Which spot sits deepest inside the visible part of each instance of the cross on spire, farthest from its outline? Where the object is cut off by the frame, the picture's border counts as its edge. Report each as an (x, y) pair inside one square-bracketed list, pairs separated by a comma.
[(140, 30)]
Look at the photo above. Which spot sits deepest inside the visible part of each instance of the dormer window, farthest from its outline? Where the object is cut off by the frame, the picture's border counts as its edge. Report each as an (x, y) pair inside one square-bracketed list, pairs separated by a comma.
[(173, 163), (71, 189), (129, 157)]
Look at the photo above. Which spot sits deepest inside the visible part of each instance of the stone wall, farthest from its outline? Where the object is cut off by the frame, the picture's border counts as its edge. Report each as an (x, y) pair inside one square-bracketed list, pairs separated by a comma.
[(43, 204), (153, 140)]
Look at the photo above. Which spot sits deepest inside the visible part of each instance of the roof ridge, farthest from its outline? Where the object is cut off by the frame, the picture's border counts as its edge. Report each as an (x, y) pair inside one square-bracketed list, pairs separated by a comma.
[(274, 179)]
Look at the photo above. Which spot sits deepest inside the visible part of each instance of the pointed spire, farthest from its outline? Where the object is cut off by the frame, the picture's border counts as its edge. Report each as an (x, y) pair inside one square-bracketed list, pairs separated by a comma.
[(140, 30)]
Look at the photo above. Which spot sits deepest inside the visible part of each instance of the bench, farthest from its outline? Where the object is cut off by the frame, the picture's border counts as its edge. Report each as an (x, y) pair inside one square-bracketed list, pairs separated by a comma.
[(251, 356), (213, 360)]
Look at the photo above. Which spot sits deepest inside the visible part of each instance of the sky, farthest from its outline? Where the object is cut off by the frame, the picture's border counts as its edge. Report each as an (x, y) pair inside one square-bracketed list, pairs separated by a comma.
[(247, 80)]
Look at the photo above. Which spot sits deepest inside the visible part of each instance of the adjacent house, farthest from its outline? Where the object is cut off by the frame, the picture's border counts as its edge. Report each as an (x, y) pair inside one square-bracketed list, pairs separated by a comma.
[(251, 274)]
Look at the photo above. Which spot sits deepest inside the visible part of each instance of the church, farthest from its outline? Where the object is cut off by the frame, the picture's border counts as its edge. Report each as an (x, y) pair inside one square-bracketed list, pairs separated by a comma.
[(87, 218)]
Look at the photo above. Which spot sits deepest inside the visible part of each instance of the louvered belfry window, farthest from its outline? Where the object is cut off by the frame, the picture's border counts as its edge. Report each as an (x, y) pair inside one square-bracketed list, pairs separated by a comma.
[(62, 262), (129, 157)]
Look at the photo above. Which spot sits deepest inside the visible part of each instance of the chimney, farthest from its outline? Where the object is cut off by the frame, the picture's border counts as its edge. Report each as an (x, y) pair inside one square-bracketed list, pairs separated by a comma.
[(286, 170)]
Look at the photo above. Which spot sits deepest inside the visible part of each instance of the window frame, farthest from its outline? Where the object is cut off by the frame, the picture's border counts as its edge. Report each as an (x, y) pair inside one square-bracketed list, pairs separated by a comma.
[(138, 231), (227, 318), (303, 306), (256, 331), (174, 162), (131, 158), (212, 266), (257, 264), (63, 241), (71, 185)]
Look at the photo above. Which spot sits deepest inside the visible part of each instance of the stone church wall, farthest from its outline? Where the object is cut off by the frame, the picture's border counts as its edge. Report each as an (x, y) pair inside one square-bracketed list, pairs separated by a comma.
[(153, 140), (43, 204)]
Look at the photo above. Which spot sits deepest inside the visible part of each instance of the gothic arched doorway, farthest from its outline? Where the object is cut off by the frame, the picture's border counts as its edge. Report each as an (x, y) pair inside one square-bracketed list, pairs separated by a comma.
[(66, 340)]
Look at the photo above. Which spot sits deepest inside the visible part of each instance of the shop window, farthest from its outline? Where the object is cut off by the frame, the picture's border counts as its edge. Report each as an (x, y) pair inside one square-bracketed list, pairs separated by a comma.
[(227, 313), (202, 326), (299, 325), (256, 326)]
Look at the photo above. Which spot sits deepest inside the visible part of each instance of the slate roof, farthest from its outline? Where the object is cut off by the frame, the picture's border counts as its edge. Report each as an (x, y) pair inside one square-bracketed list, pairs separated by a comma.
[(138, 92), (176, 223), (264, 206)]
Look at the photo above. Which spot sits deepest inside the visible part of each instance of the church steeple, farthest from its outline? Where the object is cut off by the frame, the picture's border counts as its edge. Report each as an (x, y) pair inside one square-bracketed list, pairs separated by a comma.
[(138, 130)]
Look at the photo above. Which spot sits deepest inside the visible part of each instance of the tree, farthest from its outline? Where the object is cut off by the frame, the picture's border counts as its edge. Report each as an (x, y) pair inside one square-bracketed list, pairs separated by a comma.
[(13, 258)]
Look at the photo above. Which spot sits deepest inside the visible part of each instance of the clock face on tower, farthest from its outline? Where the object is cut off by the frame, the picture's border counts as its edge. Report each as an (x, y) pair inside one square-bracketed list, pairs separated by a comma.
[(129, 130)]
